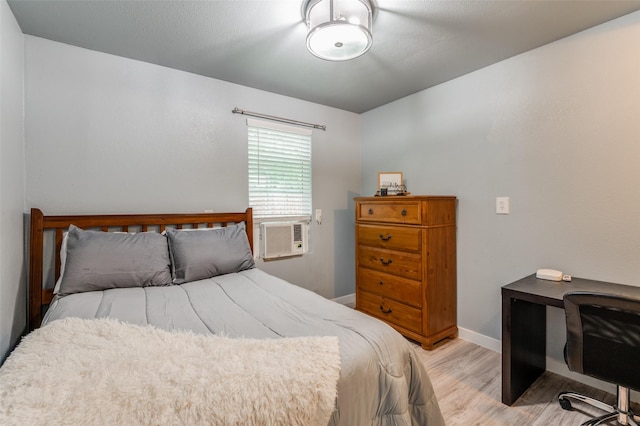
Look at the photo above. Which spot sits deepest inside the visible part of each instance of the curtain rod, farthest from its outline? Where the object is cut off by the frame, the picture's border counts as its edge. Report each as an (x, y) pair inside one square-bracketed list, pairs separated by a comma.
[(237, 110)]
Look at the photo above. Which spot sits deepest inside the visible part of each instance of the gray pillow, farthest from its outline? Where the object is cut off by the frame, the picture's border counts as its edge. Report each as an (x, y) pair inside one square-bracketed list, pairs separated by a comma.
[(204, 253), (101, 260)]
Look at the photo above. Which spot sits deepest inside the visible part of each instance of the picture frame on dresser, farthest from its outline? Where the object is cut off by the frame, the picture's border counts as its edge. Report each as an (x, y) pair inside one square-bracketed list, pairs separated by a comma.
[(391, 181)]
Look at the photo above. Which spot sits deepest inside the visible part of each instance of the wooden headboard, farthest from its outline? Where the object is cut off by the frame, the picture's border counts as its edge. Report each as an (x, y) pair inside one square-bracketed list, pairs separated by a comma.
[(40, 297)]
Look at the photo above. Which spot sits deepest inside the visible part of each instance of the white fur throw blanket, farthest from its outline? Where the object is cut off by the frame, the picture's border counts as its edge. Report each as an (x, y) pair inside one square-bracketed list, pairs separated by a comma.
[(104, 372)]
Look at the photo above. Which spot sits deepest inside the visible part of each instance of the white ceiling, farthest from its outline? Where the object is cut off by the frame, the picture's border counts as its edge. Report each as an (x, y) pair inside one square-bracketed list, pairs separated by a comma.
[(261, 43)]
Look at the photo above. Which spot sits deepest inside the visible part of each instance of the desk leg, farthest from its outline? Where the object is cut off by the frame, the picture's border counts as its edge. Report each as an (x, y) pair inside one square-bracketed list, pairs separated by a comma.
[(524, 329)]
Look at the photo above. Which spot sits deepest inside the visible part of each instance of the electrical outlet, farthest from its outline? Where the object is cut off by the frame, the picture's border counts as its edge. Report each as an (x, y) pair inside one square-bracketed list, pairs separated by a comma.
[(502, 205)]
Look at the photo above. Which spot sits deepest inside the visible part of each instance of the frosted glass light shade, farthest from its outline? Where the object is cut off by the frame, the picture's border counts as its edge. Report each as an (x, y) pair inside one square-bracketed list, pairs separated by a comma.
[(339, 30)]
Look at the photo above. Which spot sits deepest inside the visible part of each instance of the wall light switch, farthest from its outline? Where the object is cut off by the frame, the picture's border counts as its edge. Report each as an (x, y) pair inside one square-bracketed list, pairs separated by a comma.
[(319, 216), (502, 205)]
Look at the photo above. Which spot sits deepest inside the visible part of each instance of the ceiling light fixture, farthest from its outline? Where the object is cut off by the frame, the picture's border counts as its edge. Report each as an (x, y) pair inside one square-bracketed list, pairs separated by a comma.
[(339, 30)]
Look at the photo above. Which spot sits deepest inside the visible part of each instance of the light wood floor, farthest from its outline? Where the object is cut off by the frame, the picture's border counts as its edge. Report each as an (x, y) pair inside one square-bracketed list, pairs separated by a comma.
[(467, 381)]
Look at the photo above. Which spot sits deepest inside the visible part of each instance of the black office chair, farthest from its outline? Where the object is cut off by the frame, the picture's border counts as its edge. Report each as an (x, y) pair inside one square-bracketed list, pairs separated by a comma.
[(603, 341)]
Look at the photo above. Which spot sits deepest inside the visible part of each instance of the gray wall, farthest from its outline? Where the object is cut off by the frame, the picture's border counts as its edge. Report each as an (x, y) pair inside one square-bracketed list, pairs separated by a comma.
[(109, 134), (12, 271), (555, 129)]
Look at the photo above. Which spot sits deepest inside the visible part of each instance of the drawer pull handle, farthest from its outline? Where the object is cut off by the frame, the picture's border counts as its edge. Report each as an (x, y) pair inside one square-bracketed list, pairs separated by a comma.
[(385, 311), (370, 211), (381, 283), (385, 262), (404, 212), (383, 238)]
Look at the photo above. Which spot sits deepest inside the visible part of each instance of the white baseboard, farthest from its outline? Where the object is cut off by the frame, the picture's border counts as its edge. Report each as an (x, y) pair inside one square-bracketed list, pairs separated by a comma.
[(561, 369), (347, 300), (480, 339)]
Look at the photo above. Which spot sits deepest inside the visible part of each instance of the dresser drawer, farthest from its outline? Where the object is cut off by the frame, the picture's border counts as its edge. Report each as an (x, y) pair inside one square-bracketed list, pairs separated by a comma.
[(391, 286), (391, 311), (393, 262), (391, 212), (390, 237)]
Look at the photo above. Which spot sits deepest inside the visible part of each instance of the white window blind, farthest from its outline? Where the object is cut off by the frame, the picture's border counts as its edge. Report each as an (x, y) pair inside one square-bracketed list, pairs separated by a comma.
[(279, 170)]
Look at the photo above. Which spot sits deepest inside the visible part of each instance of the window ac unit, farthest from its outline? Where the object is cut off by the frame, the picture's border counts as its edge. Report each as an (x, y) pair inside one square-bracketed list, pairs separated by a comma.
[(284, 239)]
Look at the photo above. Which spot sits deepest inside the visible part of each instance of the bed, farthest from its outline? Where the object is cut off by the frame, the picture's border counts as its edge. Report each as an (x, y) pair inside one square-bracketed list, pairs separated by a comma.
[(261, 334)]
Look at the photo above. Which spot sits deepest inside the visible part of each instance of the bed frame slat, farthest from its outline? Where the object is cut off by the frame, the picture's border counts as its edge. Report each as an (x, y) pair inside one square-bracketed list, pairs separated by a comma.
[(47, 296), (39, 297), (35, 268), (59, 235)]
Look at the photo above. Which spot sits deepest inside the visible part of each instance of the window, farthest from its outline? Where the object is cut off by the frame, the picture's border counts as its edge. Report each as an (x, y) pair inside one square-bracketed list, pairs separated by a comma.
[(279, 170)]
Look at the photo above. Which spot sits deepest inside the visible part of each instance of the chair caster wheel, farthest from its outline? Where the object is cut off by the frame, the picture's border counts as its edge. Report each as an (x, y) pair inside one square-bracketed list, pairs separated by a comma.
[(565, 404)]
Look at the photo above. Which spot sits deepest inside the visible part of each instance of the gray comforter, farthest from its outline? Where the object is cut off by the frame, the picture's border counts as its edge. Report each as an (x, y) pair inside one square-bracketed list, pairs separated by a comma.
[(381, 380)]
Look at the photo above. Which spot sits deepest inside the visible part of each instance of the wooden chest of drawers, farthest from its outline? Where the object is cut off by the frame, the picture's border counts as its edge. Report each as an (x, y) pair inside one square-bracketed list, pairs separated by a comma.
[(406, 264)]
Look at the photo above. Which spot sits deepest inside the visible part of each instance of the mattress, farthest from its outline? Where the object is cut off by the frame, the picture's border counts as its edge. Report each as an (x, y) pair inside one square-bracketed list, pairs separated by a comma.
[(381, 380)]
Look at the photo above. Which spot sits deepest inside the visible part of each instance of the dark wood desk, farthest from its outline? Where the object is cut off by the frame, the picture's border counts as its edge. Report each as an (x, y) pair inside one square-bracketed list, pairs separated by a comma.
[(524, 326)]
